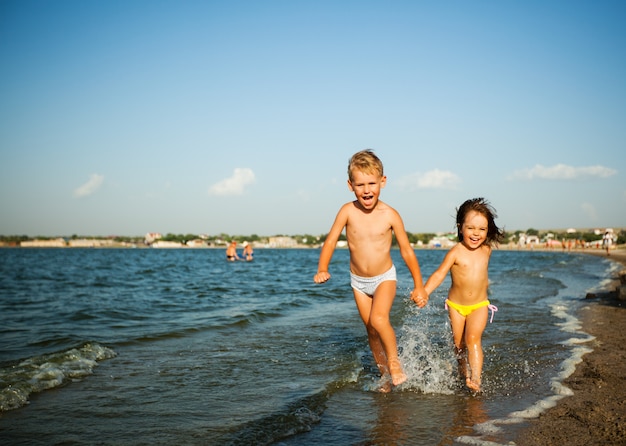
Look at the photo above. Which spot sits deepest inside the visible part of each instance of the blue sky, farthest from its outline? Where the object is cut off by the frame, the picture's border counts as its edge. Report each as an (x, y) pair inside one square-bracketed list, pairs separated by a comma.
[(237, 117)]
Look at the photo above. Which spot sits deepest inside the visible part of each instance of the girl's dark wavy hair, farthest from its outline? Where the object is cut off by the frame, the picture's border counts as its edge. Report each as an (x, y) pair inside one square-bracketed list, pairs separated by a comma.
[(494, 234)]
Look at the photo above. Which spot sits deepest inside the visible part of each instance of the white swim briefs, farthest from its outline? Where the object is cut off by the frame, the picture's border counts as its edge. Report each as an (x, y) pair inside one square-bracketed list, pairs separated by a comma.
[(368, 285)]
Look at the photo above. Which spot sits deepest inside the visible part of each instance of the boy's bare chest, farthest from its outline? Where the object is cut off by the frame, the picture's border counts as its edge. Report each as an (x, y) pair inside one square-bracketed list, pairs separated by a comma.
[(371, 229)]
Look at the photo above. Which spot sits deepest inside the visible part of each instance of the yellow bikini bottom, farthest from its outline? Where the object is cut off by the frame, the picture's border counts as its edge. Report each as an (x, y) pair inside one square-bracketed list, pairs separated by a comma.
[(466, 310)]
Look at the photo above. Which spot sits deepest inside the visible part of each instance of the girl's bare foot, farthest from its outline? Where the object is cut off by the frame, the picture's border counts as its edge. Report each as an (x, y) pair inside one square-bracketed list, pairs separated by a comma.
[(462, 362), (384, 385), (397, 374)]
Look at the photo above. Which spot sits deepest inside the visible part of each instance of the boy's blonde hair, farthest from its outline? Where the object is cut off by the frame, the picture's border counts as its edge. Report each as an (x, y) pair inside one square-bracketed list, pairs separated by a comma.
[(365, 161)]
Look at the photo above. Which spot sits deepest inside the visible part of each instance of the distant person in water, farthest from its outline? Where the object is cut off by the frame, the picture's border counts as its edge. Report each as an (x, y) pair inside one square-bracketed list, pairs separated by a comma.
[(370, 225), (231, 252), (248, 252), (467, 303)]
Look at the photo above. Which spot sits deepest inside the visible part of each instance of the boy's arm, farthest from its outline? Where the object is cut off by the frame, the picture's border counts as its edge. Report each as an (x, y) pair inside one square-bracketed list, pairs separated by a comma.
[(328, 248), (418, 295)]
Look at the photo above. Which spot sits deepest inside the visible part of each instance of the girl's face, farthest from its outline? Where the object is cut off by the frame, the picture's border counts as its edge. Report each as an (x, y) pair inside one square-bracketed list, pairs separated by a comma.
[(366, 188), (474, 229)]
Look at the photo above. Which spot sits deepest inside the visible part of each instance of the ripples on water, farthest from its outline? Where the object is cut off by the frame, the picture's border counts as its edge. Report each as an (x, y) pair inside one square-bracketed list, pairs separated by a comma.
[(181, 347)]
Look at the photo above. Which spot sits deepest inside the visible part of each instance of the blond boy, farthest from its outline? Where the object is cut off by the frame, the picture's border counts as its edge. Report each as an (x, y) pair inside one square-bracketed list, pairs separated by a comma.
[(370, 224)]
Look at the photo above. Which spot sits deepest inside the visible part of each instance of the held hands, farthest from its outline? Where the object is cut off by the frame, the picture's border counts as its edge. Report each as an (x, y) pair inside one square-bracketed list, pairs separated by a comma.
[(420, 297), (321, 277)]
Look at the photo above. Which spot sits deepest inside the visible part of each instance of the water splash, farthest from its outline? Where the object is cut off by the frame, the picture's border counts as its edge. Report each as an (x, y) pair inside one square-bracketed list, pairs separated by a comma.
[(426, 351)]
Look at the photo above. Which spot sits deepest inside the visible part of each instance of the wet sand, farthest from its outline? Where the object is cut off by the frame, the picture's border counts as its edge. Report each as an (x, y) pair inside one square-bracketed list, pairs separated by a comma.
[(596, 413)]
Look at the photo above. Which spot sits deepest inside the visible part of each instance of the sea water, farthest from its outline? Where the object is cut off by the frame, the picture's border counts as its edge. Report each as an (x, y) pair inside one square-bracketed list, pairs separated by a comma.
[(178, 346)]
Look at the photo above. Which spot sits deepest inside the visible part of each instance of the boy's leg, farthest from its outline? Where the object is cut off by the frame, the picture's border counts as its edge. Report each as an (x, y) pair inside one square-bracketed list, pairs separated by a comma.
[(364, 305), (474, 326), (379, 319)]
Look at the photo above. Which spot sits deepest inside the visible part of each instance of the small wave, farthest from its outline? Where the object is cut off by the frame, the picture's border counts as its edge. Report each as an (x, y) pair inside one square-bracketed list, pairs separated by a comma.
[(19, 381), (298, 417), (242, 319), (164, 336)]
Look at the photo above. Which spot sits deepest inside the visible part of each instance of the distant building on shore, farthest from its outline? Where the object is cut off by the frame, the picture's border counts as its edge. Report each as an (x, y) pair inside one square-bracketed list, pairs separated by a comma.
[(90, 243), (442, 241), (282, 242), (196, 243), (151, 237), (52, 243), (167, 244)]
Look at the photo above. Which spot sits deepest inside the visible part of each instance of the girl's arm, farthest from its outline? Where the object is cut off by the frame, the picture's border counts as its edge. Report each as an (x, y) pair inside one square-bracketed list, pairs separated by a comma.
[(440, 274), (328, 248)]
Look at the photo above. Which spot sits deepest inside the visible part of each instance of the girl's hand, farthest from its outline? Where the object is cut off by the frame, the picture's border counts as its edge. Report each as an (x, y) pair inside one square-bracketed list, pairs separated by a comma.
[(421, 299)]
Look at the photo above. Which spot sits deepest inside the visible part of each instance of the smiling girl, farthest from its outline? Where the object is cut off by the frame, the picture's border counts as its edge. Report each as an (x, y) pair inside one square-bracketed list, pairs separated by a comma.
[(467, 303)]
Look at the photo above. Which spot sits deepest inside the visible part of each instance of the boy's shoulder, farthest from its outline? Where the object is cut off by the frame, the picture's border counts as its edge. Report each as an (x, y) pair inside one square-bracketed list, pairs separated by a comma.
[(349, 206)]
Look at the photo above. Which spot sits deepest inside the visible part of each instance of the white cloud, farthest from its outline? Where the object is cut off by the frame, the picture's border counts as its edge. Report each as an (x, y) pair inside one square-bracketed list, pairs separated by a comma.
[(562, 172), (589, 210), (235, 184), (90, 187), (434, 179)]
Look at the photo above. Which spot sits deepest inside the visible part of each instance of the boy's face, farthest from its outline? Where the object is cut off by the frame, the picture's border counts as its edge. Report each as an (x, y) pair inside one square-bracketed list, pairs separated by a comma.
[(366, 187), (474, 229)]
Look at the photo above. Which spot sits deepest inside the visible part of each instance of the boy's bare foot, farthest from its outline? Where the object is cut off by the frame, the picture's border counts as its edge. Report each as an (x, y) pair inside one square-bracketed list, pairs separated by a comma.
[(397, 374), (473, 386)]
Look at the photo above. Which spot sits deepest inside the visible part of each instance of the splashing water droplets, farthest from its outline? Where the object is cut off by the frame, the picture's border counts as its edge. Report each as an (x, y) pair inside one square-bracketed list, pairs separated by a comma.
[(426, 351)]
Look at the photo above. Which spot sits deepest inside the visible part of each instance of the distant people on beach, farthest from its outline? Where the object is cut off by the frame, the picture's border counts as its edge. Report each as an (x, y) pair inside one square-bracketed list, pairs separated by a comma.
[(231, 252), (248, 252), (370, 225), (607, 241), (467, 303)]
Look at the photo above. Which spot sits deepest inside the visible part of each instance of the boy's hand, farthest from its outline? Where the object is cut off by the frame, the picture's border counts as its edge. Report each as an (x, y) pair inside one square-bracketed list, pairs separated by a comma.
[(419, 297), (321, 277)]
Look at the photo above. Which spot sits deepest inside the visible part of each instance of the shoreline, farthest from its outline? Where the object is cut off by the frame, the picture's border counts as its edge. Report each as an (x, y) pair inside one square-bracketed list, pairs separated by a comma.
[(596, 412)]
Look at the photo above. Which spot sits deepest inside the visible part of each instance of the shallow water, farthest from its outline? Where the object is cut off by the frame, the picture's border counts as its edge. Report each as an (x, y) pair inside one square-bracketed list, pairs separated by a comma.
[(152, 346)]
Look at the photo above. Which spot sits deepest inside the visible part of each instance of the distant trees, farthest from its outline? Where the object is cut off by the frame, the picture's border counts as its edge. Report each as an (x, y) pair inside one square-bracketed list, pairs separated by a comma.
[(180, 238), (422, 237), (13, 238)]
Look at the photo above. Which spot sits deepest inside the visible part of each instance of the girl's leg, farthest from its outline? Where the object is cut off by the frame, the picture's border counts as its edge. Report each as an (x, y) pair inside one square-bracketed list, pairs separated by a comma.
[(475, 324), (457, 323)]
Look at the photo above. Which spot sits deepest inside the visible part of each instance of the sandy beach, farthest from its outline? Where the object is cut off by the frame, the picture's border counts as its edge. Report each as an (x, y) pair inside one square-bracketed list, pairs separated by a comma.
[(596, 413)]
